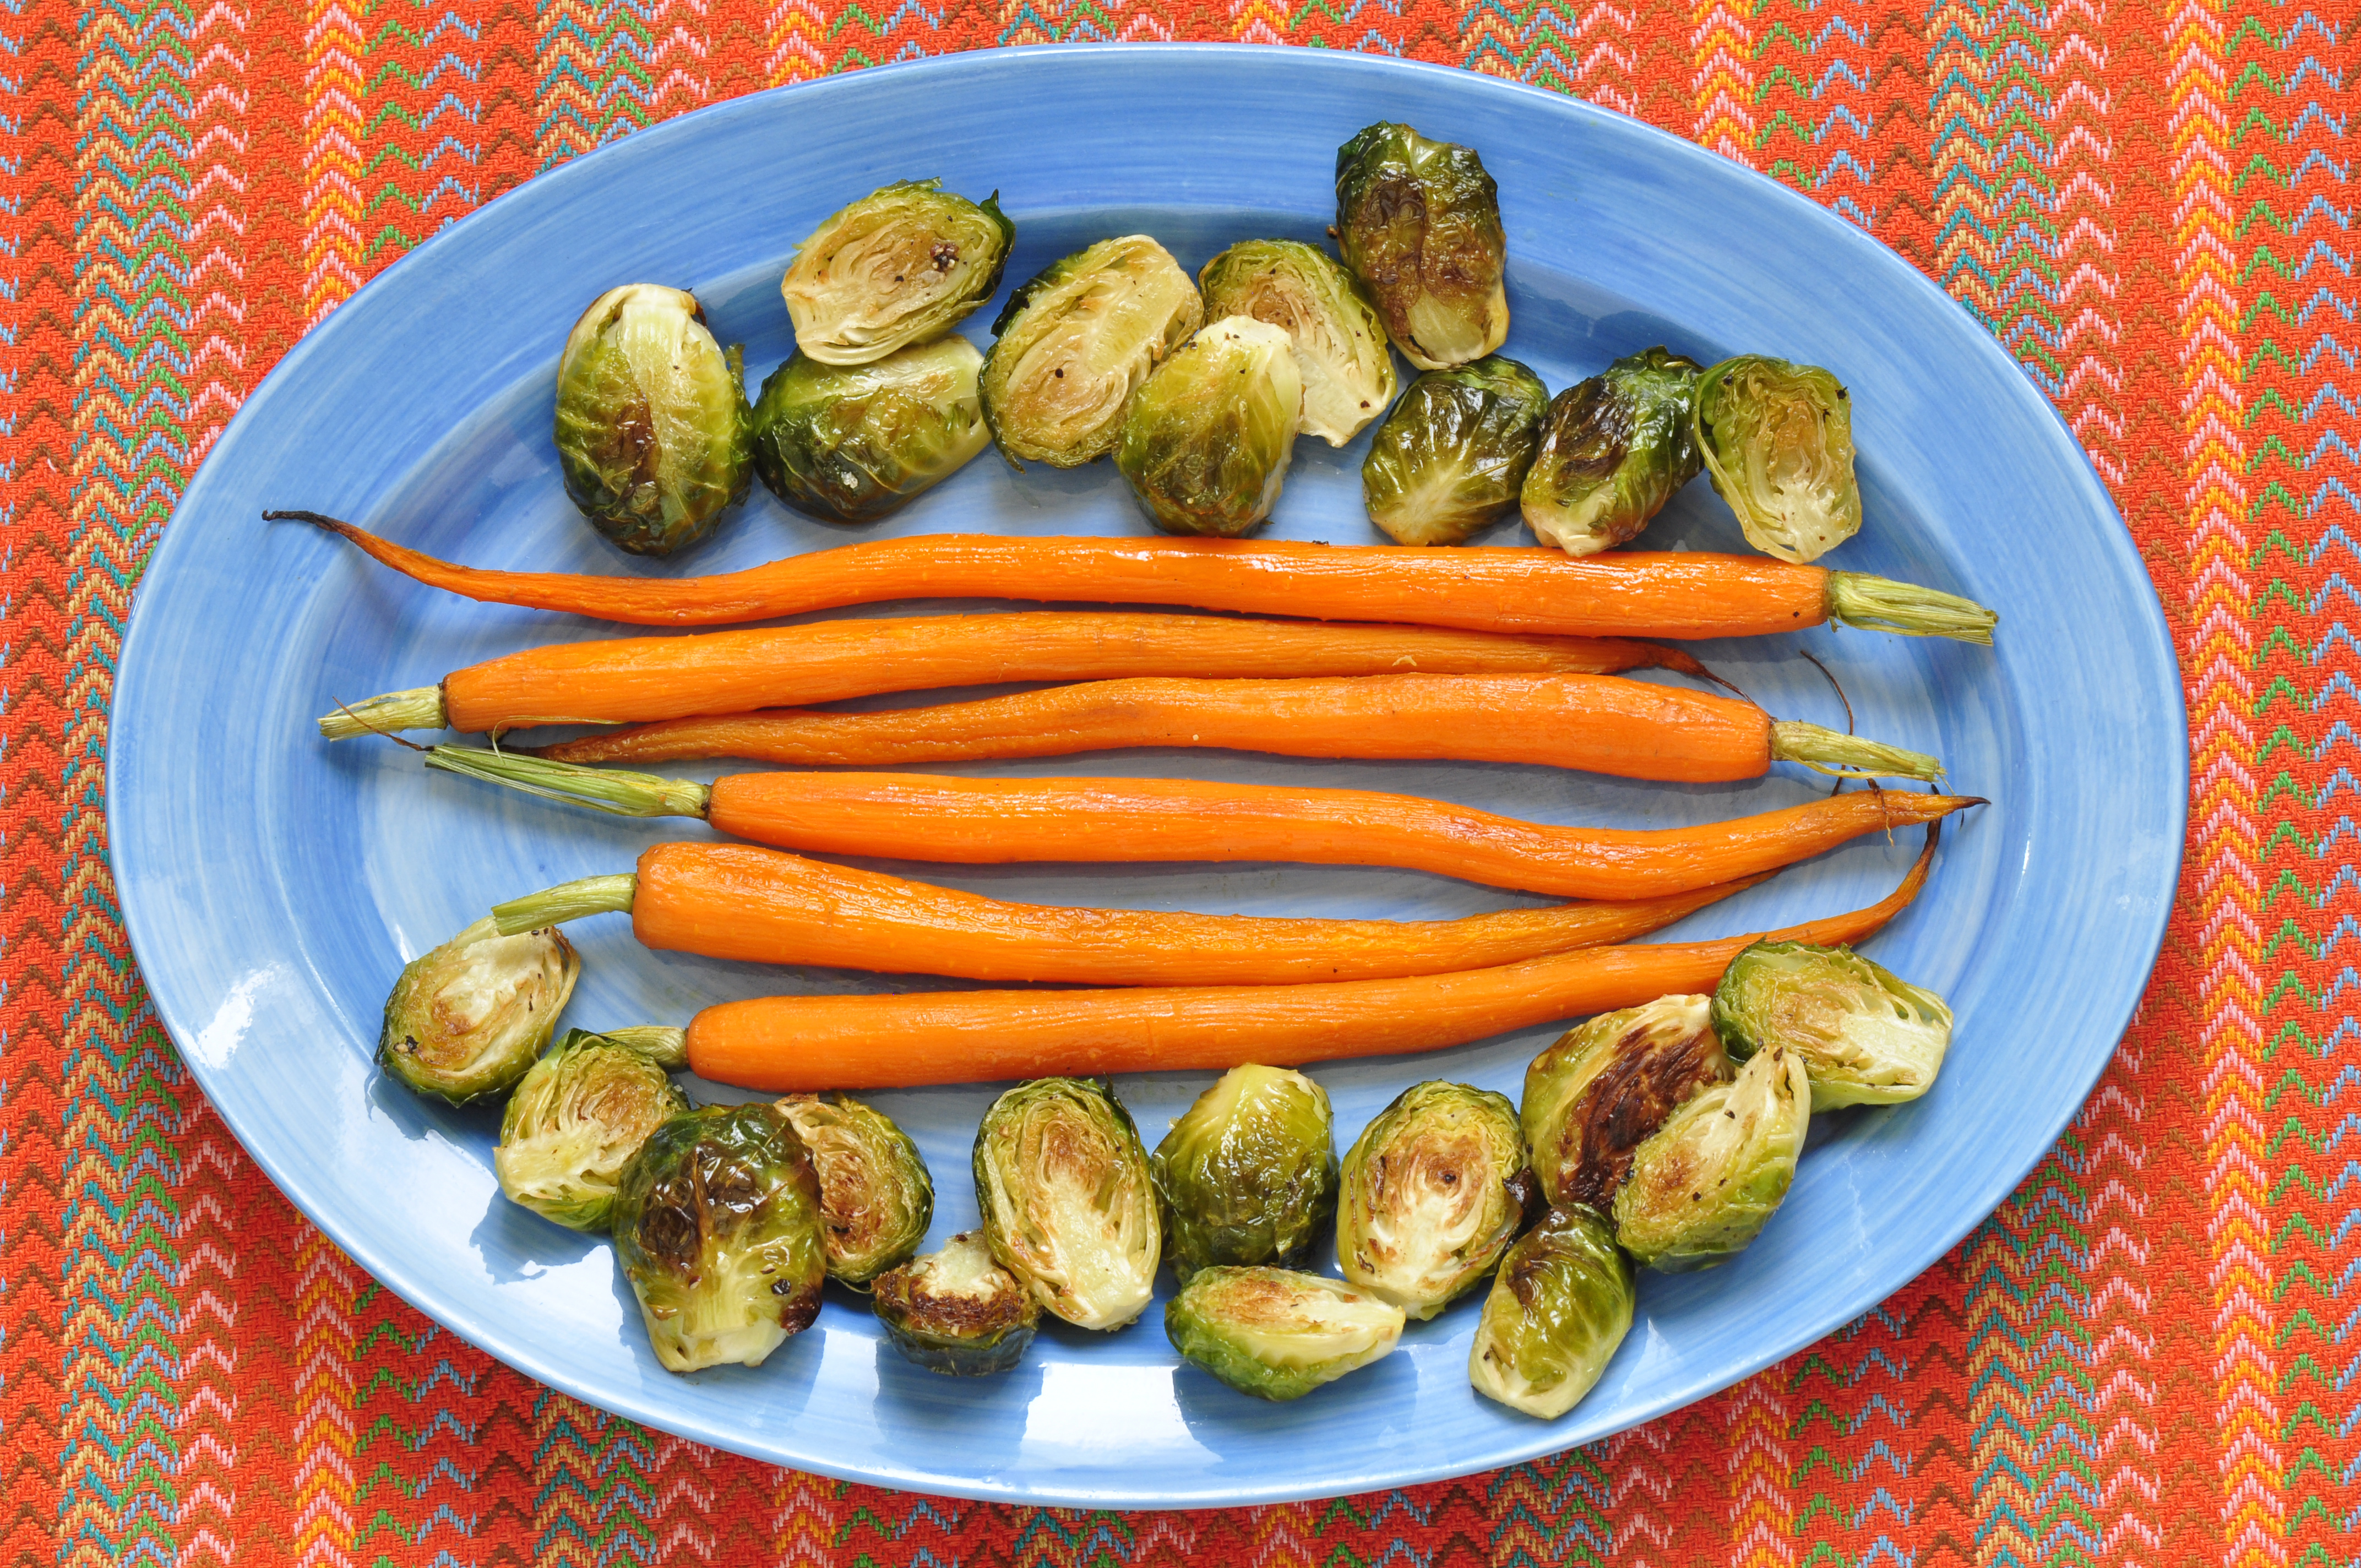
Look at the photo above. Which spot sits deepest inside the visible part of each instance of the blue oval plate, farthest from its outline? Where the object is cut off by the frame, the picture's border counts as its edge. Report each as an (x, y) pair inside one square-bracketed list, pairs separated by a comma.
[(271, 901)]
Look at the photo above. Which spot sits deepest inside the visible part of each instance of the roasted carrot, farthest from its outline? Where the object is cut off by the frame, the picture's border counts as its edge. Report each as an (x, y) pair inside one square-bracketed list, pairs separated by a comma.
[(1632, 594), (782, 1044)]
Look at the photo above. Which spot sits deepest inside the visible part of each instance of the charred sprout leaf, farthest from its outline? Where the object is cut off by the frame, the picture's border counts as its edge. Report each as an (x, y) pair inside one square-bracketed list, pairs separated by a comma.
[(1714, 1174), (1419, 222), (717, 1225), (1339, 339), (1077, 341), (957, 1311), (1777, 439), (1613, 451), (876, 1199), (1205, 443), (665, 1045), (1278, 1334), (579, 1114), (1066, 1203), (652, 420), (1866, 1037), (1452, 457), (855, 442), (465, 1020), (1561, 1305), (1605, 1087), (903, 265), (1432, 1193), (1247, 1175)]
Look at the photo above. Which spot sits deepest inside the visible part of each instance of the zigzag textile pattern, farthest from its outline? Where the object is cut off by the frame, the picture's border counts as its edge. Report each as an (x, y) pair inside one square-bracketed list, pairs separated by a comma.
[(2146, 1356)]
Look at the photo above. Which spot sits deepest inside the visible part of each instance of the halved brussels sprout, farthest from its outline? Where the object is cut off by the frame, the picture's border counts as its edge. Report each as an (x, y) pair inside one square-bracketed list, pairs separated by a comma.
[(1339, 339), (579, 1114), (718, 1228), (1248, 1174), (652, 420), (467, 1019), (1452, 457), (1419, 222), (876, 1199), (1278, 1334), (1777, 440), (903, 265), (1432, 1192), (1562, 1304), (1067, 1202), (852, 443), (1613, 451), (957, 1311), (1710, 1179), (1605, 1087), (1076, 342), (1866, 1037), (1207, 440)]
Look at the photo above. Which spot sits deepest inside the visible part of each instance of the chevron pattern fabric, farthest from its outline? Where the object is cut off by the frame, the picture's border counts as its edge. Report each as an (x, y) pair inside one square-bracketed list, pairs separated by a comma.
[(2147, 1356)]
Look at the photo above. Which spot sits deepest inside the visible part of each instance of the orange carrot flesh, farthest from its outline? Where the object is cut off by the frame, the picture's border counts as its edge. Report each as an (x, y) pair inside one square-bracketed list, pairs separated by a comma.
[(784, 1044), (730, 901)]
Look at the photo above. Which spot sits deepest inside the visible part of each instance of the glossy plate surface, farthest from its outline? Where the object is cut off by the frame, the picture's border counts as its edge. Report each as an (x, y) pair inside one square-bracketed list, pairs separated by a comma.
[(271, 901)]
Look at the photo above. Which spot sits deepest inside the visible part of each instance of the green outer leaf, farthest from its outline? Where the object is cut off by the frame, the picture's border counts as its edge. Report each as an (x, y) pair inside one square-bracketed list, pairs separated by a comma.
[(1556, 1314), (857, 442), (1450, 459), (938, 256), (1278, 1334), (1248, 1174), (1776, 438), (1614, 450)]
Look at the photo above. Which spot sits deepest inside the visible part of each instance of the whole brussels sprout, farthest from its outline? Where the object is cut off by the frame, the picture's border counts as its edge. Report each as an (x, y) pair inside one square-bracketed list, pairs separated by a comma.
[(717, 1227), (1074, 343), (581, 1112), (1613, 451), (903, 265), (1207, 440), (957, 1311), (1248, 1174), (652, 420), (1339, 339), (1066, 1203), (1452, 457), (876, 1197), (1605, 1087), (1562, 1304), (1710, 1179), (1432, 1191), (1419, 222), (1866, 1037), (1278, 1334), (465, 1020), (852, 443), (1778, 441)]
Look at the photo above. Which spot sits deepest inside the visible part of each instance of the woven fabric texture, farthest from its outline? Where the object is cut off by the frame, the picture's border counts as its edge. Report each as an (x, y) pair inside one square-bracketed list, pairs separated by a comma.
[(2146, 1356)]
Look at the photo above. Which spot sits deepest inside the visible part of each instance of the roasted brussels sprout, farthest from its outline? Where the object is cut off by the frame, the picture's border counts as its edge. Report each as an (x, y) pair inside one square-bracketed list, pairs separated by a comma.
[(1432, 1193), (876, 1199), (1777, 440), (852, 443), (903, 265), (580, 1113), (665, 1045), (1561, 1305), (1451, 458), (1713, 1175), (1068, 1206), (1076, 342), (1419, 222), (1248, 1174), (717, 1227), (1205, 441), (1866, 1037), (652, 420), (467, 1019), (1605, 1087), (957, 1311), (1339, 339), (1278, 1334), (1613, 451)]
